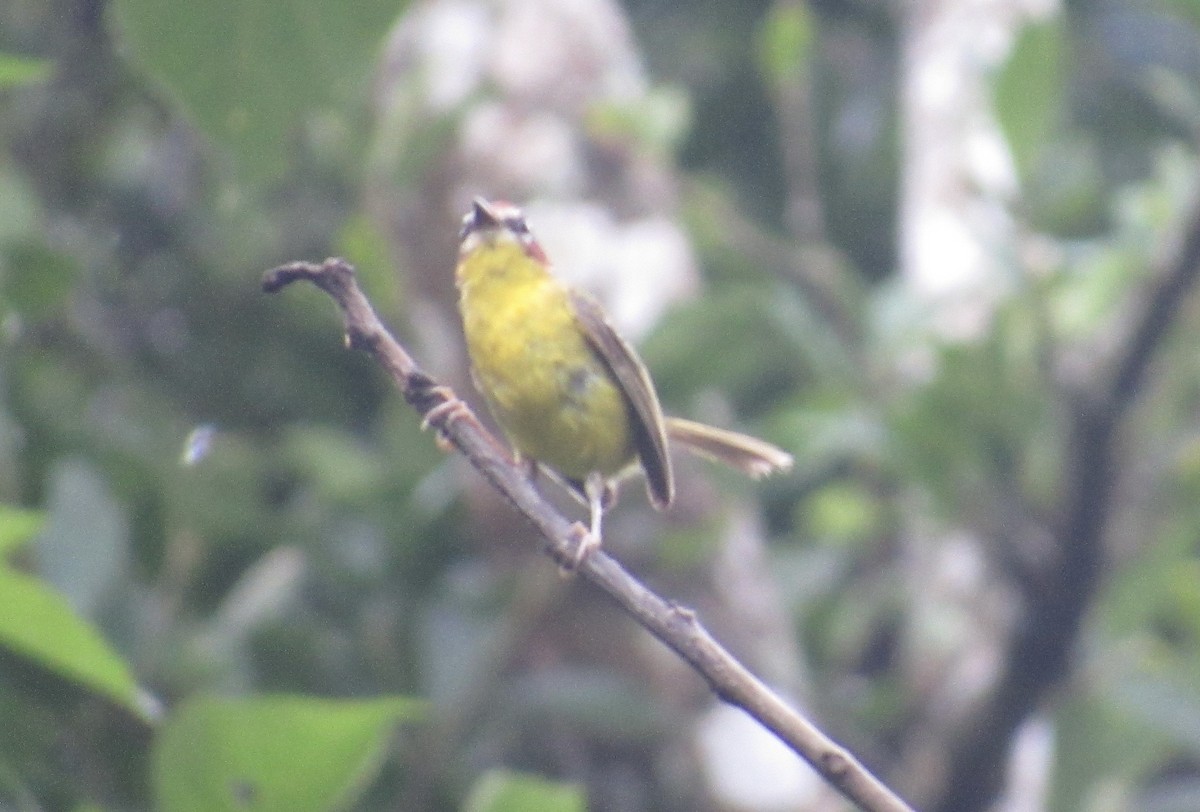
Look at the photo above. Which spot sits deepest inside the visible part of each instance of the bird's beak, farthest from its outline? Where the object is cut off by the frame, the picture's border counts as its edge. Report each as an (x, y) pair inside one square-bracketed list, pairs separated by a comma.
[(482, 213), (479, 218)]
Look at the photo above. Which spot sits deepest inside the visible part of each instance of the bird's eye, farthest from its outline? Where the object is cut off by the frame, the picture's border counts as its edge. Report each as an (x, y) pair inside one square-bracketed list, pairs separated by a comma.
[(516, 225)]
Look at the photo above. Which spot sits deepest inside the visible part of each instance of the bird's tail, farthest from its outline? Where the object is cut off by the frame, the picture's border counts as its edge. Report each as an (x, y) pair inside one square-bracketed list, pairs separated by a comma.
[(753, 457)]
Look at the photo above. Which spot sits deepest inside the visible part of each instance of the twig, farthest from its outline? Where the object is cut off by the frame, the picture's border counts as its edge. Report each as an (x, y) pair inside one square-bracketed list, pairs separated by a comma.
[(674, 625), (1161, 306)]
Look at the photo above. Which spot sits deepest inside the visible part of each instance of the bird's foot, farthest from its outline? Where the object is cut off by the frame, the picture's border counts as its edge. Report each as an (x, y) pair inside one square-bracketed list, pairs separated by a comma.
[(442, 415), (583, 542)]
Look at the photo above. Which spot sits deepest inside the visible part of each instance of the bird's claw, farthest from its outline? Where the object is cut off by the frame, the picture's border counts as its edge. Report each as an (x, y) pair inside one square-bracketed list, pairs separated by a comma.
[(584, 542), (442, 415)]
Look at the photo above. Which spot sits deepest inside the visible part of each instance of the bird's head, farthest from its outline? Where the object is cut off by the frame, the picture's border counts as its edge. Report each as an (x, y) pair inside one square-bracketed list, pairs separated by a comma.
[(495, 223)]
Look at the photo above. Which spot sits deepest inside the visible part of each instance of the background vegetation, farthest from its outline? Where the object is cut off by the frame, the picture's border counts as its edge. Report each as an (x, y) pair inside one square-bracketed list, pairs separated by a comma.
[(944, 253)]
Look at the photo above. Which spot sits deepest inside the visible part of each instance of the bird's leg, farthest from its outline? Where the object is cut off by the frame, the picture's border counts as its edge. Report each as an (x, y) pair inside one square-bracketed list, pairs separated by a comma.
[(598, 494)]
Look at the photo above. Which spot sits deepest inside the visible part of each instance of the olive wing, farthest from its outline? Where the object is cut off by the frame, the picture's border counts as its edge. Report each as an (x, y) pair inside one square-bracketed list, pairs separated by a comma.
[(648, 425)]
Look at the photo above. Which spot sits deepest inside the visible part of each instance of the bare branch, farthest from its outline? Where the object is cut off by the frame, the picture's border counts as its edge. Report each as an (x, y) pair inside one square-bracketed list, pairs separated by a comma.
[(1159, 310), (1061, 590), (676, 626)]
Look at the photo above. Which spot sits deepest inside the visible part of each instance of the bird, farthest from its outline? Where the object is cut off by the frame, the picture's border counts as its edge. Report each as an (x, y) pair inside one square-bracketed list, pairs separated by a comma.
[(569, 393)]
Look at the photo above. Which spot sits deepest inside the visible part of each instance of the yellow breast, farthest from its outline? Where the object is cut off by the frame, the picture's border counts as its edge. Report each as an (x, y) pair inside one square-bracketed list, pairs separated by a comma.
[(545, 385)]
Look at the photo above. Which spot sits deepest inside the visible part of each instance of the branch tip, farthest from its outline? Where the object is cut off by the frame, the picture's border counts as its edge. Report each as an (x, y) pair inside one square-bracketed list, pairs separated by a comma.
[(333, 273)]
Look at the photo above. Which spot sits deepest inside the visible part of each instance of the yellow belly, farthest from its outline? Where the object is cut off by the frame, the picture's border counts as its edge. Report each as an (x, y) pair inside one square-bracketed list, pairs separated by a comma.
[(546, 387)]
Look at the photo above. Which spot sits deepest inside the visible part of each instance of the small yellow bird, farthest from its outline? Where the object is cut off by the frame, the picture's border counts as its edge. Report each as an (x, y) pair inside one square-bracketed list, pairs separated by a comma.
[(568, 391)]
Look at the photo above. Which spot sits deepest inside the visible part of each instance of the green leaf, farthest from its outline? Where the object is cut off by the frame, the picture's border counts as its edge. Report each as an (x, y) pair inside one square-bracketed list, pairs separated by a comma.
[(21, 70), (657, 121), (249, 70), (504, 791), (84, 550), (842, 513), (273, 753), (37, 623), (17, 526), (39, 279), (785, 43), (1029, 91)]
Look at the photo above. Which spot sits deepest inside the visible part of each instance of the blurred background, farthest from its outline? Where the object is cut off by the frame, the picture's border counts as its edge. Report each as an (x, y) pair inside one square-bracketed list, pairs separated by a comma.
[(943, 252)]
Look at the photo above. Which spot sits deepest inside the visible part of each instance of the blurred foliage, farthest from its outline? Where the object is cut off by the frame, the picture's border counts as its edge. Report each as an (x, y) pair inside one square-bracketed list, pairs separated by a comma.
[(237, 575), (253, 73), (505, 792), (243, 754), (16, 70), (1029, 92)]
